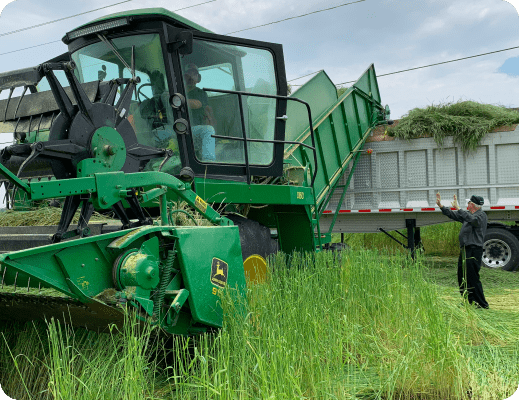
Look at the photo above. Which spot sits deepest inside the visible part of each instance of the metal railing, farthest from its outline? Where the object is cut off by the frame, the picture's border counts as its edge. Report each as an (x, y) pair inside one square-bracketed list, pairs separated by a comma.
[(246, 139)]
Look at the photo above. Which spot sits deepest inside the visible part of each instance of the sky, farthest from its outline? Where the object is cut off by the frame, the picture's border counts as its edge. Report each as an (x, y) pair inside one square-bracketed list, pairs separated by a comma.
[(393, 34)]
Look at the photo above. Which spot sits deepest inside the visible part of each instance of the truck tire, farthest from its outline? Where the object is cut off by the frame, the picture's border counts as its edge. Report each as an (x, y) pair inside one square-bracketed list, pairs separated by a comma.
[(500, 249), (256, 246)]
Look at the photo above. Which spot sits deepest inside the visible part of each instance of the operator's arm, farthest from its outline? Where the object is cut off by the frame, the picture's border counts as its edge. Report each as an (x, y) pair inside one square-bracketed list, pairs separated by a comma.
[(472, 219), (454, 215)]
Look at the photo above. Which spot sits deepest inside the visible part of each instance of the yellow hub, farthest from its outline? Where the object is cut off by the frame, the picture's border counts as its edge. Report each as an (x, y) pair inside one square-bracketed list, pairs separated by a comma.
[(255, 268)]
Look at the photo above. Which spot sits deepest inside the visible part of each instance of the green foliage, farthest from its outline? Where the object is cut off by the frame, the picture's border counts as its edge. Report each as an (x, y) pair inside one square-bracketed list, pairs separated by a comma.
[(60, 363), (466, 121), (441, 239), (341, 90), (360, 324)]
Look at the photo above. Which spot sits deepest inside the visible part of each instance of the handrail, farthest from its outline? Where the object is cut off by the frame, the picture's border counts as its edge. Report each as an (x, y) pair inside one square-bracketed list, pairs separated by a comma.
[(246, 139)]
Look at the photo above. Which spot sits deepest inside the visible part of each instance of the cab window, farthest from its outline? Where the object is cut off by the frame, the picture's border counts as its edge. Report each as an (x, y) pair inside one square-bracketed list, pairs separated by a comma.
[(229, 67)]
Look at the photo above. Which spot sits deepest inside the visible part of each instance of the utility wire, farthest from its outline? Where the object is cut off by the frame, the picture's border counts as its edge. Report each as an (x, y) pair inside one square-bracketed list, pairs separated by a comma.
[(440, 63), (56, 41), (297, 16), (32, 47), (304, 76), (62, 19), (83, 13)]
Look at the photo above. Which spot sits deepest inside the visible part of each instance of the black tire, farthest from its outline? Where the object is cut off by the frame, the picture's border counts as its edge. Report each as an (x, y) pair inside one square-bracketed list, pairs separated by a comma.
[(255, 241), (500, 249), (254, 237)]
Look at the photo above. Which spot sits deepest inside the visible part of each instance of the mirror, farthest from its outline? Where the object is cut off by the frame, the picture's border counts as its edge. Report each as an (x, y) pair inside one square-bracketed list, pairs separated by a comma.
[(183, 43)]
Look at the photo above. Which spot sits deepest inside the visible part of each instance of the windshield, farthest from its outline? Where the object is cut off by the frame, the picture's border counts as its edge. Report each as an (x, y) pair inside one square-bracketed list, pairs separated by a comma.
[(230, 67), (150, 115)]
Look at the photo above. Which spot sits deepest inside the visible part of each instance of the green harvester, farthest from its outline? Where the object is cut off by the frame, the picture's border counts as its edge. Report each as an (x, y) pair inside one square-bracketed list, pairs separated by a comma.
[(146, 113)]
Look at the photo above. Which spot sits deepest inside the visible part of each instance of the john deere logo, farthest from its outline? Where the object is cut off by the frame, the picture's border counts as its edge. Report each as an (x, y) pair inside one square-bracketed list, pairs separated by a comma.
[(219, 271)]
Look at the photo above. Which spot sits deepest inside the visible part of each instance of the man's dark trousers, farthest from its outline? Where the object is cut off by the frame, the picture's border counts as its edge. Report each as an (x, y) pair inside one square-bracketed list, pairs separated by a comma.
[(469, 280)]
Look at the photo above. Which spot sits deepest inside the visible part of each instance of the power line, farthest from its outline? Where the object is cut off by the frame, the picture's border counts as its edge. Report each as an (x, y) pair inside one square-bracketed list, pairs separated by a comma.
[(56, 41), (304, 76), (297, 16), (439, 63), (62, 19), (32, 47)]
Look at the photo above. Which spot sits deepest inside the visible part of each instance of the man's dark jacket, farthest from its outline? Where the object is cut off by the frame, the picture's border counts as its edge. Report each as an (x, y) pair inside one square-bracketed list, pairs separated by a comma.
[(474, 225)]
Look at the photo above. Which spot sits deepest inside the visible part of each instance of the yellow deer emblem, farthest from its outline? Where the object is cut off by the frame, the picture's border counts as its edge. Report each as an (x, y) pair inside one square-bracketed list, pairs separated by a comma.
[(219, 271)]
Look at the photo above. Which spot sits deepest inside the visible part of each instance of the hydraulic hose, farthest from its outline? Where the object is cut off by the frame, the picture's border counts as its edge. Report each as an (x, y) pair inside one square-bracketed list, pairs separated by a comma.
[(171, 212)]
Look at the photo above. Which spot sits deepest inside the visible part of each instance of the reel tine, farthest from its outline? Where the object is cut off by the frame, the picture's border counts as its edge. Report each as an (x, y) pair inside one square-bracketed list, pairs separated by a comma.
[(39, 288), (28, 283), (15, 279), (3, 277), (39, 125), (19, 101), (8, 101)]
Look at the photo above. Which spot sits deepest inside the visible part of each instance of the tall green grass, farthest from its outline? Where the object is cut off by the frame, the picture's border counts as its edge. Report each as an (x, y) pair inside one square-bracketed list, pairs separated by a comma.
[(441, 239), (360, 324)]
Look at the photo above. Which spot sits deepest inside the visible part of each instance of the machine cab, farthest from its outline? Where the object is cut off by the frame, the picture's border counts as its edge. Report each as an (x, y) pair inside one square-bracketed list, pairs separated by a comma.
[(211, 99)]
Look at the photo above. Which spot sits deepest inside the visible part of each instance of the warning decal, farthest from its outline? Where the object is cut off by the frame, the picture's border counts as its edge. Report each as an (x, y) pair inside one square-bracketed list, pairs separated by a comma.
[(219, 270), (200, 204)]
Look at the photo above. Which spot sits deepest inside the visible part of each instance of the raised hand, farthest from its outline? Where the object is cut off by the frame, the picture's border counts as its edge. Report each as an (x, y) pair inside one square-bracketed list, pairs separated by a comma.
[(455, 203), (438, 200)]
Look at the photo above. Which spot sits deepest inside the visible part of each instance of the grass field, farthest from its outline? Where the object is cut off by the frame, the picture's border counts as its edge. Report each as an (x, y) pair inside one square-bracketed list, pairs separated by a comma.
[(368, 324)]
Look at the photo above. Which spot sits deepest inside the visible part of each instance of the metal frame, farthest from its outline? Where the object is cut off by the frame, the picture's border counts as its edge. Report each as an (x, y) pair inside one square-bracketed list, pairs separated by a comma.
[(246, 139)]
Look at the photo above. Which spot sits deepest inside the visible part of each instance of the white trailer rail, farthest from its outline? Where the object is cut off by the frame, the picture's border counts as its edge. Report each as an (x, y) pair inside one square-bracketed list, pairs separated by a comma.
[(395, 187)]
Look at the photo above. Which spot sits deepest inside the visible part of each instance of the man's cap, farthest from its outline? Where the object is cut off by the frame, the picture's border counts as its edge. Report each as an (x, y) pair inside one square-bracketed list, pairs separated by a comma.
[(192, 67), (477, 200)]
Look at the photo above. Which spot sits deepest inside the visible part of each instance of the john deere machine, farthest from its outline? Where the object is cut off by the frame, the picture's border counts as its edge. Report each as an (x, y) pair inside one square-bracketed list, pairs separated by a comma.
[(147, 110)]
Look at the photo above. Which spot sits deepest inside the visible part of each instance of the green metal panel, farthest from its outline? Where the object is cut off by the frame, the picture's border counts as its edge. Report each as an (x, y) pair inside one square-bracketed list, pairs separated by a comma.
[(368, 83), (340, 127), (82, 263), (215, 191), (199, 249), (321, 93), (295, 229)]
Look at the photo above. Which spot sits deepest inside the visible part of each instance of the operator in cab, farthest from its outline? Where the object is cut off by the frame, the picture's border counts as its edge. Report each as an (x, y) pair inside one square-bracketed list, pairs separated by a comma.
[(202, 119)]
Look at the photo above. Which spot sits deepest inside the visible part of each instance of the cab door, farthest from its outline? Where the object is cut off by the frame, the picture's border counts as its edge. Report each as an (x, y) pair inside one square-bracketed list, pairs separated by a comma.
[(234, 125)]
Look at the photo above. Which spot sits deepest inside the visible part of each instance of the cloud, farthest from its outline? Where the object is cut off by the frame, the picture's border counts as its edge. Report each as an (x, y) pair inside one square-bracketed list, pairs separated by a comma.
[(393, 34), (3, 3)]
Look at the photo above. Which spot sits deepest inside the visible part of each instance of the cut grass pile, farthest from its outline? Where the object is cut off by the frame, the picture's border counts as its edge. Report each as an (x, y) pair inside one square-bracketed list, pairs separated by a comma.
[(466, 121), (43, 216), (180, 214), (368, 325)]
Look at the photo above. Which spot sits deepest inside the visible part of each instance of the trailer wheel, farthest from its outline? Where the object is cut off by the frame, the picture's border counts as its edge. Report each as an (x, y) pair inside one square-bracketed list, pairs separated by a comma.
[(256, 246), (500, 250)]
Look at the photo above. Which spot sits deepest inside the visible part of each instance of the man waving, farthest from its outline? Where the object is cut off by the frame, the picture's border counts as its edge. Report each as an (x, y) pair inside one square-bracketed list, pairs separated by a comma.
[(471, 238)]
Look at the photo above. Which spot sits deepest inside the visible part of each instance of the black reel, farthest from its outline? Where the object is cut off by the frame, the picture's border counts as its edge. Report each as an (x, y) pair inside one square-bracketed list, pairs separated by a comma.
[(75, 136)]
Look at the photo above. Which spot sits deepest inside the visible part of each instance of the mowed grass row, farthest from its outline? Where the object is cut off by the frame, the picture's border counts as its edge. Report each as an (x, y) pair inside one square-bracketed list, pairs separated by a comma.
[(368, 325)]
